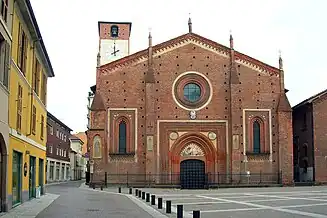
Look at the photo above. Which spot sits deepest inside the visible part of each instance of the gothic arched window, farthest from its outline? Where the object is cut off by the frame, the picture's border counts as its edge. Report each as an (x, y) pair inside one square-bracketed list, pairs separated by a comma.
[(114, 31), (122, 137), (256, 136), (97, 147)]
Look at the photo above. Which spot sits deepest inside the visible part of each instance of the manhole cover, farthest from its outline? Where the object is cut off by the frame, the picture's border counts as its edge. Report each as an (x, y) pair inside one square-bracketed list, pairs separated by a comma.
[(92, 210)]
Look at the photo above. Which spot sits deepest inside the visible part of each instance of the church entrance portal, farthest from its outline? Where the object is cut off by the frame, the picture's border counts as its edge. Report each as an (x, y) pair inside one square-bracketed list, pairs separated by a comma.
[(192, 174)]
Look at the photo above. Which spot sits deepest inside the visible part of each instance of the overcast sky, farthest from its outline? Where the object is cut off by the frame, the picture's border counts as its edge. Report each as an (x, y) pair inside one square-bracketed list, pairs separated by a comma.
[(260, 28)]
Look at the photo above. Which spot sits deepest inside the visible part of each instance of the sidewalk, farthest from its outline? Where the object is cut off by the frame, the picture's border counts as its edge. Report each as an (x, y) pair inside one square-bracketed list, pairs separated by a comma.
[(32, 208)]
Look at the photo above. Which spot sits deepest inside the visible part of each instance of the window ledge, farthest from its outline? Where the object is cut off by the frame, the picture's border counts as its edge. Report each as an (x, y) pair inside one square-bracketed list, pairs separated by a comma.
[(122, 154), (258, 157), (257, 154)]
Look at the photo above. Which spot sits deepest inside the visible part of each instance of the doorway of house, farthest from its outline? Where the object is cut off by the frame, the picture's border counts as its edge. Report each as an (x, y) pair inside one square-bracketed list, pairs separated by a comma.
[(192, 174), (32, 190)]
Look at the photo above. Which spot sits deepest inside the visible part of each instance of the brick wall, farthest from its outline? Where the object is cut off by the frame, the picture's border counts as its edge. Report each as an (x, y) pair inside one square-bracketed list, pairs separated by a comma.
[(125, 87), (320, 138)]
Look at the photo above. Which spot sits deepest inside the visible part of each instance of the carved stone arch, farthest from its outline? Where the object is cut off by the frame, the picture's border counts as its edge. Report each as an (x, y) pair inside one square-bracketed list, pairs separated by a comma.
[(262, 124), (203, 143), (97, 147), (127, 121)]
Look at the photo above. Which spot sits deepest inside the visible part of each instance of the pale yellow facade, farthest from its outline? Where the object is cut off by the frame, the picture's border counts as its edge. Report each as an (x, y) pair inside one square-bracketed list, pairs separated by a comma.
[(29, 71)]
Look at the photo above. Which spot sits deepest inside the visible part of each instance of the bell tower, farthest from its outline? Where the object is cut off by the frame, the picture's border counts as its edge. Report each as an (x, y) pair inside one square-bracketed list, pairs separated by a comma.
[(113, 40)]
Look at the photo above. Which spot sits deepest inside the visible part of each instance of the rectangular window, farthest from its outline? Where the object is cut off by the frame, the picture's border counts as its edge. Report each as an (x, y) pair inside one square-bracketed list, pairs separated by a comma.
[(19, 108), (57, 133), (42, 127), (43, 88), (4, 10), (34, 120), (36, 75), (4, 62), (65, 138), (50, 149), (22, 50), (57, 151)]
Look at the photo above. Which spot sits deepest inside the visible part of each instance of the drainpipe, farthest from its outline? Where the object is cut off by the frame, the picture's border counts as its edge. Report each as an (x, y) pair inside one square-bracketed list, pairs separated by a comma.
[(31, 92)]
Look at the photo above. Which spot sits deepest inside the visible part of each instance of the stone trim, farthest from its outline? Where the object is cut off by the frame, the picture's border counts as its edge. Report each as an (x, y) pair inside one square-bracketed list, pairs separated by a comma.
[(221, 122), (115, 115), (268, 129), (198, 78), (184, 40)]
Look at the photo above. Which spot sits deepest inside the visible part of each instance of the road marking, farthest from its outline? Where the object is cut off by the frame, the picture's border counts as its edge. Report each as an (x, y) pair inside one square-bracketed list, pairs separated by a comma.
[(284, 197), (315, 215), (153, 212)]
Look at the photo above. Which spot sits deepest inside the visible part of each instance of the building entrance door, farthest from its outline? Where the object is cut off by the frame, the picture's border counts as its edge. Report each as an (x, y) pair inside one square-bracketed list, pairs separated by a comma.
[(192, 174), (32, 188)]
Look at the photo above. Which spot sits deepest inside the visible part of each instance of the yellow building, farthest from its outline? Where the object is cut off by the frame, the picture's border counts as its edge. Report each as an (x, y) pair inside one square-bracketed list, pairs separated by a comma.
[(30, 69)]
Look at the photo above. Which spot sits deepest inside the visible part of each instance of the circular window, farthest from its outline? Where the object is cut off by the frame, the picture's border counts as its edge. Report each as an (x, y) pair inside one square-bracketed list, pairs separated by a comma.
[(192, 92)]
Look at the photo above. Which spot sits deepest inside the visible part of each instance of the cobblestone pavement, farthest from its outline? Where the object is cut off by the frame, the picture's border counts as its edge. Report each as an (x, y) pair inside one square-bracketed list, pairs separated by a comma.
[(84, 202)]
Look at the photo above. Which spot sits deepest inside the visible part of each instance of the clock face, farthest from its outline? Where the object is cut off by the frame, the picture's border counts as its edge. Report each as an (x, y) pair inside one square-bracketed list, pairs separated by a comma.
[(111, 50)]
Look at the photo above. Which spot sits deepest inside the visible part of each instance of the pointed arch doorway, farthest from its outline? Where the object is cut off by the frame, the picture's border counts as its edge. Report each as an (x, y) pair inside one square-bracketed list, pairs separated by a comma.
[(192, 157)]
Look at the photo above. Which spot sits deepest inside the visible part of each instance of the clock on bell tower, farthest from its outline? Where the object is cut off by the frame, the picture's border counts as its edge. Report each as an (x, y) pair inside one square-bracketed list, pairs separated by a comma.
[(113, 40)]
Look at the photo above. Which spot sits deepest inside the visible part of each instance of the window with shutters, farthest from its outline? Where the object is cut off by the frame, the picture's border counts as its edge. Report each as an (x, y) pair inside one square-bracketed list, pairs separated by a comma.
[(4, 62), (34, 120), (36, 75), (19, 108), (43, 88), (42, 127), (4, 9), (22, 50)]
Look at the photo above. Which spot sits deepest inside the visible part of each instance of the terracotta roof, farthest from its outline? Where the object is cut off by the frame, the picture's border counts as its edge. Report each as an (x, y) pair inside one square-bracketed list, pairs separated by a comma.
[(82, 136), (311, 99), (74, 138), (189, 36)]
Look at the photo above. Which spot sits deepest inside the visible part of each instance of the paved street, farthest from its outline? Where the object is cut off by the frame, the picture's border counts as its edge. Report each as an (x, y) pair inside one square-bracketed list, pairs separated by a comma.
[(74, 199), (80, 203), (279, 202)]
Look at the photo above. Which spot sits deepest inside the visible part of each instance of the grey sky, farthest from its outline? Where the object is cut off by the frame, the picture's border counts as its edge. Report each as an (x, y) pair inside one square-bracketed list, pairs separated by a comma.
[(260, 28)]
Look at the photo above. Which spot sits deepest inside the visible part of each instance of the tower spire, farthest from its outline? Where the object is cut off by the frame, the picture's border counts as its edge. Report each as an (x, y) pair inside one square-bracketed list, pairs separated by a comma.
[(280, 60), (231, 40), (189, 23)]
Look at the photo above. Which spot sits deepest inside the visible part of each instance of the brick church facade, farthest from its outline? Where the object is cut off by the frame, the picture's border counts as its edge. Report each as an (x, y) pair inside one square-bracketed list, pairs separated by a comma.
[(187, 102)]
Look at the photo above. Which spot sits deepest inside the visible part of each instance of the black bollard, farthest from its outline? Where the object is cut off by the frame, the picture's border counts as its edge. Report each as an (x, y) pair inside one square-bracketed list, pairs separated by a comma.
[(143, 195), (136, 192), (179, 211), (93, 185), (119, 190), (147, 197), (196, 214), (140, 193), (101, 188), (168, 206), (159, 203), (153, 200), (130, 191)]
